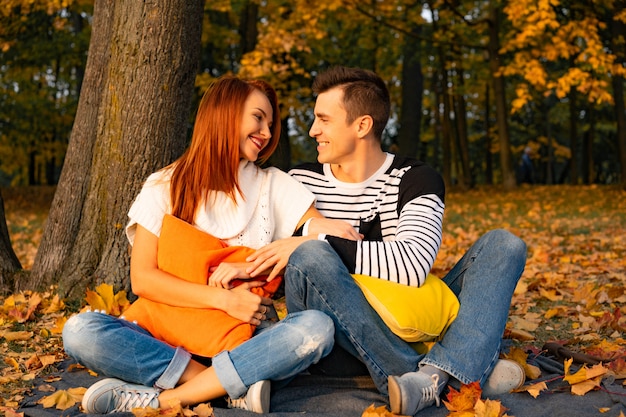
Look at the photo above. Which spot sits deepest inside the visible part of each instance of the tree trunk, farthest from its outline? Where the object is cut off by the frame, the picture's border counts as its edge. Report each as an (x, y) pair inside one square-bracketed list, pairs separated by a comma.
[(617, 30), (9, 263), (487, 149), (412, 93), (132, 119), (506, 165), (465, 174), (573, 137)]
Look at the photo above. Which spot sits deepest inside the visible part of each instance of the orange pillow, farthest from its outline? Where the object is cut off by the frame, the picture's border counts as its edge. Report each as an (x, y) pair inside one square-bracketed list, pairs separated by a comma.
[(188, 253)]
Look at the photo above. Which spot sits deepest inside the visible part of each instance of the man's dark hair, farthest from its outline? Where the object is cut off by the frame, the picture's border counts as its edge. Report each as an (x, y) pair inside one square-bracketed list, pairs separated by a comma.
[(364, 93)]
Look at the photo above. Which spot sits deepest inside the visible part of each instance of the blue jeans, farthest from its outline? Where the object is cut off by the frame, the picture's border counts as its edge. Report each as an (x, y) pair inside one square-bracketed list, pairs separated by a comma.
[(483, 280), (117, 348)]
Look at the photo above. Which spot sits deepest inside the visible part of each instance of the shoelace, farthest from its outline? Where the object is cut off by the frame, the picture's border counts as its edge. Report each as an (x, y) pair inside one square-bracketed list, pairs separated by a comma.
[(239, 403), (430, 393), (127, 400)]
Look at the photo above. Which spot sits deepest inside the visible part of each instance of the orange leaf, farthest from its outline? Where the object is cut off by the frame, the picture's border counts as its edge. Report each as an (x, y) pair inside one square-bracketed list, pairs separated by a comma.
[(465, 399), (372, 411), (489, 408), (535, 389)]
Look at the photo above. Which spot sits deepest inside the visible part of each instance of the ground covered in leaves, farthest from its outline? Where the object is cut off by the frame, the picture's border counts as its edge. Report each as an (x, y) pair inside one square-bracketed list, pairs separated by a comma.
[(572, 290)]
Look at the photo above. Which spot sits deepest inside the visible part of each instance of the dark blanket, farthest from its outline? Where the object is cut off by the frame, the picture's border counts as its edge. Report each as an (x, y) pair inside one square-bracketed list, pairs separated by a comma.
[(324, 396)]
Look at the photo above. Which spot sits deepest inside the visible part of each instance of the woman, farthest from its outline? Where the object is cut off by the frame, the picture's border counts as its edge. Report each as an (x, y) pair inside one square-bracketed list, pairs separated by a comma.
[(217, 187)]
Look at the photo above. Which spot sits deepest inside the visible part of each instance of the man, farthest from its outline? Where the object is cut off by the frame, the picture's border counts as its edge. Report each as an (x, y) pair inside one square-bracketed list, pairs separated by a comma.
[(384, 217)]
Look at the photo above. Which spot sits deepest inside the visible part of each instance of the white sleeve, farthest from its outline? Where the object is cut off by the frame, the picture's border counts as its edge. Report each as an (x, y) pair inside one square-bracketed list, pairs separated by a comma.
[(150, 205), (290, 200)]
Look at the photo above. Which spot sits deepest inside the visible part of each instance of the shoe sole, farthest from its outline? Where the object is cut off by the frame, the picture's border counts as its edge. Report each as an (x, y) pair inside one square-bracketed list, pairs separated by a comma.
[(510, 368), (261, 391), (395, 395)]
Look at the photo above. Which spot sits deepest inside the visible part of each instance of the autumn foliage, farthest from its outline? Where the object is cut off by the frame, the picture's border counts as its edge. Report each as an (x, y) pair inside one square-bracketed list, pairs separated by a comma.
[(571, 294)]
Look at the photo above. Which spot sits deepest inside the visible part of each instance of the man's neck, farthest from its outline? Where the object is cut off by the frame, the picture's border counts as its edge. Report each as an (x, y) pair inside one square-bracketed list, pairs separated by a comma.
[(359, 169)]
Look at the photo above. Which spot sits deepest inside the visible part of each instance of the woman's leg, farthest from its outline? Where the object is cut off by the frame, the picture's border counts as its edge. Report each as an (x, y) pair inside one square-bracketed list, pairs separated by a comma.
[(117, 348)]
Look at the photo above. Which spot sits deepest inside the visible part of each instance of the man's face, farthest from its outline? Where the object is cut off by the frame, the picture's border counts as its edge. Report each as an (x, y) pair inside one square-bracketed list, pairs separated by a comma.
[(336, 139)]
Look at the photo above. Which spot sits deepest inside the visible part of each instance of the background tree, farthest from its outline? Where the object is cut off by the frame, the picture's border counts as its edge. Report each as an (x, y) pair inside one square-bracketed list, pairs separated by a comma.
[(39, 86), (132, 119), (9, 263)]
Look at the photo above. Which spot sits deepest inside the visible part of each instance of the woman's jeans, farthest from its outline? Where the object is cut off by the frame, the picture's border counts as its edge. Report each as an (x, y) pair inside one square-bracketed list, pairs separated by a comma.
[(483, 280), (117, 348)]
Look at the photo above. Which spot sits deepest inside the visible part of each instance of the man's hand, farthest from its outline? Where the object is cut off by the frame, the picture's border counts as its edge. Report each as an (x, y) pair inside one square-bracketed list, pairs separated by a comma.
[(333, 227), (274, 256)]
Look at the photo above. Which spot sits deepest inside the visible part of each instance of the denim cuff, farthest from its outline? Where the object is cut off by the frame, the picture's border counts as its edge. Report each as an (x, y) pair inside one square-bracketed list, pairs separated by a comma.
[(174, 370), (228, 375)]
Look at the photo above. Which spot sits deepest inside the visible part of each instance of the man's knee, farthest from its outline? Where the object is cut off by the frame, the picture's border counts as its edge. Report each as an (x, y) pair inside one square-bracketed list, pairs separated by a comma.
[(507, 241)]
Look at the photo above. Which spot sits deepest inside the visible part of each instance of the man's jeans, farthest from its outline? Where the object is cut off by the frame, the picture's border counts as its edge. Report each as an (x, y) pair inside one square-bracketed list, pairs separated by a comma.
[(483, 280), (117, 348)]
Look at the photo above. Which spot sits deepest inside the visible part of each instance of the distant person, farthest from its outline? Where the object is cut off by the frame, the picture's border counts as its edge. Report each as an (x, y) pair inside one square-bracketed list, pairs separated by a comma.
[(526, 172), (397, 204), (217, 187)]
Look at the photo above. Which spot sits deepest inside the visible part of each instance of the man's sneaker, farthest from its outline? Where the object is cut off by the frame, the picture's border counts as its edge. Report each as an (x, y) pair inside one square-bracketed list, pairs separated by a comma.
[(257, 399), (506, 376), (112, 395), (413, 392)]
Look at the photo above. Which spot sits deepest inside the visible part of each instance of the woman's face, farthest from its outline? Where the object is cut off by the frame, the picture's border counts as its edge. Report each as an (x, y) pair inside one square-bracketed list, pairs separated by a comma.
[(255, 125)]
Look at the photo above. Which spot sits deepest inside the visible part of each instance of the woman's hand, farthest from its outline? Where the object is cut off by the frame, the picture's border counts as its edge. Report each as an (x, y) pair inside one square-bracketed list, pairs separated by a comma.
[(247, 306), (224, 273)]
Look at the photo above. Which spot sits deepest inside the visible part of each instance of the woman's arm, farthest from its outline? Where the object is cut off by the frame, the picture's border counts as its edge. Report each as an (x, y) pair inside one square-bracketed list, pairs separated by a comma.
[(150, 282), (275, 256)]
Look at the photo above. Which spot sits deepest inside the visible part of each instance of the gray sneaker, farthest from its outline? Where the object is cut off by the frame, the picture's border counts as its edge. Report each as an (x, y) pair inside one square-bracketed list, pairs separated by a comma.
[(413, 392), (113, 395), (507, 375), (257, 399)]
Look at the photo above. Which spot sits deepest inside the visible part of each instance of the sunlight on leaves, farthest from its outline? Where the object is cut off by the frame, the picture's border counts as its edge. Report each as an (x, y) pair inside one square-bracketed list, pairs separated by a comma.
[(63, 399), (105, 300)]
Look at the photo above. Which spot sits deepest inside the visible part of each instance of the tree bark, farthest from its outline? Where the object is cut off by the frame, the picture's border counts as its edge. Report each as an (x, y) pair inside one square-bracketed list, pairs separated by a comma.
[(506, 165), (412, 93), (9, 263), (617, 30), (132, 119), (460, 110)]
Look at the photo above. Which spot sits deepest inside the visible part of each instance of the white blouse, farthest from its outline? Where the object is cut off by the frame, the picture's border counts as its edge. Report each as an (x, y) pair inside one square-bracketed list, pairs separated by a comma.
[(271, 205)]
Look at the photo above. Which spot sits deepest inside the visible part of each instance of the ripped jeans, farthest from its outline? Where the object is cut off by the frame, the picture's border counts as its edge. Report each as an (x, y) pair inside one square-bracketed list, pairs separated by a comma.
[(117, 348)]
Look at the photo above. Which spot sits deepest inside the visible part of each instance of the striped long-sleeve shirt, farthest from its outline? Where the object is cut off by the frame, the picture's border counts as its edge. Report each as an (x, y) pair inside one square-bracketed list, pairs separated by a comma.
[(399, 210)]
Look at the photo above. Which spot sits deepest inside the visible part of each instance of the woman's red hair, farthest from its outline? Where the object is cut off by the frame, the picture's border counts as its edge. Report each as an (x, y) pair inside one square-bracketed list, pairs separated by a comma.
[(212, 160)]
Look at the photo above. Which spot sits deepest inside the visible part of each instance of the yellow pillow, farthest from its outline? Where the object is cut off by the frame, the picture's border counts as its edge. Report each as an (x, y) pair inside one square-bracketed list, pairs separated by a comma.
[(414, 314)]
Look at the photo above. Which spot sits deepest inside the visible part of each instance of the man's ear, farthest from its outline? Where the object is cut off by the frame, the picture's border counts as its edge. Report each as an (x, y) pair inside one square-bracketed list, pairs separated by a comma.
[(364, 125)]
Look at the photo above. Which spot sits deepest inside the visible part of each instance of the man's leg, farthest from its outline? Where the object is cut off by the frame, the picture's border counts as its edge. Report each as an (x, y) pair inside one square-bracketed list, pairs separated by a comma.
[(316, 278), (484, 281)]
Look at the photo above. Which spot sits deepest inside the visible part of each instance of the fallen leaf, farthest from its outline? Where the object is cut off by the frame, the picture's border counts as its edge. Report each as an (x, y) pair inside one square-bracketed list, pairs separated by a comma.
[(381, 411), (534, 390)]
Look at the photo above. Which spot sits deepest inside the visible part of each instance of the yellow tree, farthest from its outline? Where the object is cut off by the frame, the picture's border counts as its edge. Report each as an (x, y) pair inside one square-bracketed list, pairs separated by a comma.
[(565, 54)]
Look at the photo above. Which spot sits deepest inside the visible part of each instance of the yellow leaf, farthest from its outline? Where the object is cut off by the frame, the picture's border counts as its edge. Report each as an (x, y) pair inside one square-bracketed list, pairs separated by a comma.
[(584, 387), (489, 408), (535, 389), (381, 411), (203, 410), (12, 362), (13, 336)]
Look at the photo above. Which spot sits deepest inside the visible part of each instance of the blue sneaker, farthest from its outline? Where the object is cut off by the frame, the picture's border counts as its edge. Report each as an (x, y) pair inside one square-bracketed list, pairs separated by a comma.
[(413, 392), (257, 399), (113, 395)]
